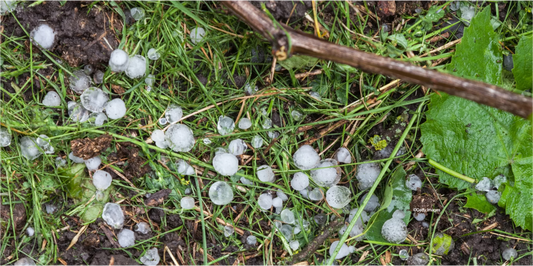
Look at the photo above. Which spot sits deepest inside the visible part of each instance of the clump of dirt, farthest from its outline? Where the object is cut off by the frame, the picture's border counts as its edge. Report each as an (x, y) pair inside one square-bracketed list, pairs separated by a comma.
[(128, 155), (19, 215), (88, 148), (105, 259), (157, 198), (283, 10), (82, 37)]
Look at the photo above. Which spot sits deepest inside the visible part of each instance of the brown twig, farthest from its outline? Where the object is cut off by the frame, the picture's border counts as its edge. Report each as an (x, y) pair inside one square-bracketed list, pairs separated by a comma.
[(331, 229), (286, 41)]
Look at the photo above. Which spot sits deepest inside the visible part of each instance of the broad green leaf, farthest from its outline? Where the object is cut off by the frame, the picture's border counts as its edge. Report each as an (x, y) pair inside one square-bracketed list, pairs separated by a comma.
[(479, 202), (298, 62), (522, 60), (435, 13), (397, 197), (517, 197), (398, 39)]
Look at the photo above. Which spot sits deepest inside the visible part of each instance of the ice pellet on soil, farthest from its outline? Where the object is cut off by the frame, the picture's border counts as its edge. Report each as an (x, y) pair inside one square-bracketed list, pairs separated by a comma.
[(142, 228), (265, 173), (394, 230), (237, 147), (94, 99), (509, 253), (343, 155), (315, 95), (118, 62), (75, 158), (326, 177), (44, 36), (493, 196), (50, 208), (278, 224), (418, 259), (467, 12), (338, 196), (88, 70), (228, 231), (245, 123), (294, 244), (197, 34), (403, 254), (419, 216), (113, 215), (43, 142), (153, 54), (184, 168), (173, 113), (299, 181), (25, 262), (98, 77), (179, 138), (151, 257), (187, 191), (221, 193), (126, 238), (484, 184), (115, 109), (343, 252), (93, 163), (273, 134), (425, 224), (267, 123), (372, 204), (52, 99), (137, 13), (367, 173), (282, 195), (265, 201), (499, 180), (246, 181), (225, 125), (257, 142), (287, 231), (187, 203), (306, 158), (136, 67), (413, 182), (8, 6), (249, 89), (158, 135), (30, 231), (102, 180), (297, 116), (363, 218), (277, 202), (29, 148), (287, 216), (97, 119), (5, 137), (305, 193), (251, 240), (316, 194), (226, 164), (320, 219), (79, 81), (149, 80), (60, 162), (398, 214), (163, 121), (220, 150)]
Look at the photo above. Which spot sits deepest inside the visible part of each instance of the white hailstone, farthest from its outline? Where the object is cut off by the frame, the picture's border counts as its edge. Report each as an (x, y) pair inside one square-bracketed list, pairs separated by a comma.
[(228, 231), (60, 162), (142, 228), (484, 184), (267, 124), (221, 193), (257, 142), (251, 240), (44, 36), (509, 254), (245, 123), (115, 109), (297, 116), (394, 230), (43, 141), (315, 95), (163, 121), (419, 216), (338, 196), (498, 181), (30, 231), (29, 148), (287, 231), (179, 138), (418, 259), (187, 191), (137, 13), (467, 12), (265, 201), (88, 69), (75, 158), (97, 119), (362, 219), (317, 194), (425, 224), (99, 195), (79, 81), (187, 203), (246, 181), (343, 252), (398, 214), (249, 89), (197, 34), (493, 196), (306, 158), (153, 54), (226, 164), (118, 62), (102, 180), (99, 77), (93, 163), (173, 113), (299, 181), (149, 80), (343, 155), (413, 182), (287, 216), (8, 6), (151, 257), (158, 135), (113, 215), (326, 177), (126, 238), (277, 202), (265, 173), (5, 137), (52, 99), (184, 168), (403, 254), (282, 195), (136, 67), (366, 174), (237, 147), (294, 244), (372, 204), (225, 125), (320, 219), (220, 150), (94, 99), (273, 134), (25, 261)]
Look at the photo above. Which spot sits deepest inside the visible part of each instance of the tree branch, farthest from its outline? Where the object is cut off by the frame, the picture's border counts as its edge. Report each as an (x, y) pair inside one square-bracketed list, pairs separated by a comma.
[(286, 41)]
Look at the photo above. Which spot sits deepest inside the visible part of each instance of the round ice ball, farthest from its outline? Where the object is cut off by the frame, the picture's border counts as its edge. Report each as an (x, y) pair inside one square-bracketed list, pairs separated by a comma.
[(343, 155), (372, 204), (102, 180), (442, 244), (366, 174), (94, 99), (413, 182), (179, 138), (306, 158), (226, 164), (197, 34), (343, 252), (299, 181), (394, 230), (493, 196), (265, 173), (79, 81), (221, 193), (93, 163), (173, 113), (245, 123), (509, 254), (126, 238), (265, 201), (118, 61), (327, 175), (115, 109), (187, 203), (43, 35), (136, 67), (338, 196), (52, 99), (5, 137)]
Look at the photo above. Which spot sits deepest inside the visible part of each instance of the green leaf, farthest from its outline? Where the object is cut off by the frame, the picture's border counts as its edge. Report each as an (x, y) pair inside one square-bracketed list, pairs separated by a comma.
[(398, 39), (298, 62), (522, 64), (397, 197), (479, 202), (517, 198), (435, 13)]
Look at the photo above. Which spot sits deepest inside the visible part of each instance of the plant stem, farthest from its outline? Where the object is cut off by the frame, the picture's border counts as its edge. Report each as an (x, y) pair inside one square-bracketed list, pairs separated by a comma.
[(451, 172)]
